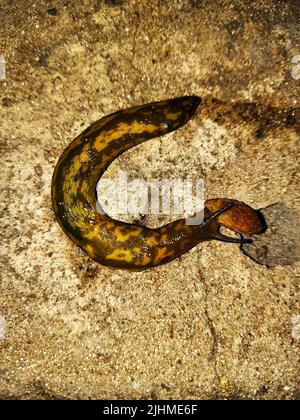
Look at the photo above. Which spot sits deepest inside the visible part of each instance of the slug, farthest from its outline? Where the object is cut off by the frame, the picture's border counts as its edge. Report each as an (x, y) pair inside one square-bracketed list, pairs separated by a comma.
[(127, 246)]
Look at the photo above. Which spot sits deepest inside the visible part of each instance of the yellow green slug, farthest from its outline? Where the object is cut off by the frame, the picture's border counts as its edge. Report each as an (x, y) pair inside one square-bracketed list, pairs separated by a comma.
[(127, 246)]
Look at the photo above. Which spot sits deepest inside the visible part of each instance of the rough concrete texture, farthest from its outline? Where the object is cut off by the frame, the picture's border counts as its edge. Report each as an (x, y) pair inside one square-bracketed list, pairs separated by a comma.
[(279, 244), (211, 324)]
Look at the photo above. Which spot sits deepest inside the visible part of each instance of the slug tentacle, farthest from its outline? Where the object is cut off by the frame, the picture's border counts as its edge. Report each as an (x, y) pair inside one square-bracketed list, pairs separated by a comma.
[(223, 238), (122, 245)]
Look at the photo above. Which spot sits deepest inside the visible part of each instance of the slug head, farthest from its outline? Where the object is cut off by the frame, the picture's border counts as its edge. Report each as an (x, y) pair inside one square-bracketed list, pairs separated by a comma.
[(234, 215)]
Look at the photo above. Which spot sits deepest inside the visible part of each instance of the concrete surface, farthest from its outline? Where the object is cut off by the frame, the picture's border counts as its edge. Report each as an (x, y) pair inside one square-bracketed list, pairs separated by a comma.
[(211, 324)]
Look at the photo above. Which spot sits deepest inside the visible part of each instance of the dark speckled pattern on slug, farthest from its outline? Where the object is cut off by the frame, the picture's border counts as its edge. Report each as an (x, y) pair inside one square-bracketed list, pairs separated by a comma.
[(121, 245)]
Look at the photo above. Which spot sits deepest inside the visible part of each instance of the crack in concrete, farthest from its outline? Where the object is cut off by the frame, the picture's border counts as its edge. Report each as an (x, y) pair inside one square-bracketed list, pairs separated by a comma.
[(215, 343)]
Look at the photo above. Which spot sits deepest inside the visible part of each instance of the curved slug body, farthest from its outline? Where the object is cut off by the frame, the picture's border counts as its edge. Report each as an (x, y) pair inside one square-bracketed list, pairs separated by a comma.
[(121, 245)]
